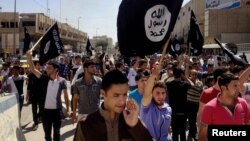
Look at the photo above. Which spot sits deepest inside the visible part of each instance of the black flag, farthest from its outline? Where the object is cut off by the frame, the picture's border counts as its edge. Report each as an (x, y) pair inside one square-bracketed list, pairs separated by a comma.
[(89, 48), (194, 36), (174, 47), (144, 27), (234, 58), (51, 45), (26, 41)]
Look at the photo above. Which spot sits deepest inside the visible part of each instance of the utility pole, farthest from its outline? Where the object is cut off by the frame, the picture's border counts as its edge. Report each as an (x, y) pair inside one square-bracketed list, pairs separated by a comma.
[(15, 24)]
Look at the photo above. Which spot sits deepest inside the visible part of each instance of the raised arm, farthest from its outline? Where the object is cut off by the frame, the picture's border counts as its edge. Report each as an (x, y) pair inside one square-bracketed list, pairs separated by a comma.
[(36, 72), (147, 96)]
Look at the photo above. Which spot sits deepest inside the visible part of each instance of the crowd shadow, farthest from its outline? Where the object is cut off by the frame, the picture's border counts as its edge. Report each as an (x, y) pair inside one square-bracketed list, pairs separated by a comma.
[(67, 134)]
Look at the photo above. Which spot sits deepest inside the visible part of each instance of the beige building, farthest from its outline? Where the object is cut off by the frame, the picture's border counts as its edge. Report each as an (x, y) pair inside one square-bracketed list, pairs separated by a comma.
[(104, 38), (228, 25), (7, 30), (37, 24)]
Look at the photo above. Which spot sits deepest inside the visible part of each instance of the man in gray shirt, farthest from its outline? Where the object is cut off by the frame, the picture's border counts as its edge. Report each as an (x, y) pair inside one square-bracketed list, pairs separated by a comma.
[(86, 92)]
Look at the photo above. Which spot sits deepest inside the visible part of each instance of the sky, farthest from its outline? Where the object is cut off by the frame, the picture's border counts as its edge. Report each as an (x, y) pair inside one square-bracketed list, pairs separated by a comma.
[(96, 17)]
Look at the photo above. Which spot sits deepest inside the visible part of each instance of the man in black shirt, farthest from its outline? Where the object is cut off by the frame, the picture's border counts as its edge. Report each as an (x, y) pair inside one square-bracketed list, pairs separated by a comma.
[(34, 95), (177, 92), (52, 87)]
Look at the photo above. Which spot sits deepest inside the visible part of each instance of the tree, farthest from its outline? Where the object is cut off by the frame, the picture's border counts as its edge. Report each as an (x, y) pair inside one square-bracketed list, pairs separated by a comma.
[(103, 44)]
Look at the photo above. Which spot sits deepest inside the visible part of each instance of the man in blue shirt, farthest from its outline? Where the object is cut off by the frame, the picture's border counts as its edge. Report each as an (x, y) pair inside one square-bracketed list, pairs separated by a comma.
[(141, 79), (154, 111)]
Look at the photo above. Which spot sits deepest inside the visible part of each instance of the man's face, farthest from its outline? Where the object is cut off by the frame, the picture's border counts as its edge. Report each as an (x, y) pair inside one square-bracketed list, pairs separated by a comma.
[(232, 89), (159, 96), (144, 66), (51, 70), (115, 97), (15, 72), (37, 66), (142, 82), (91, 69), (78, 61)]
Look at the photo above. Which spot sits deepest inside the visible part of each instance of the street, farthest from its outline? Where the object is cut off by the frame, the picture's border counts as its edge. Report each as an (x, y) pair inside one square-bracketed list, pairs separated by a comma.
[(67, 128)]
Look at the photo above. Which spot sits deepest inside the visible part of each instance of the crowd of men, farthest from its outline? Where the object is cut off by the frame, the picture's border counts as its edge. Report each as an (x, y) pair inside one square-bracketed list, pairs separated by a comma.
[(136, 100)]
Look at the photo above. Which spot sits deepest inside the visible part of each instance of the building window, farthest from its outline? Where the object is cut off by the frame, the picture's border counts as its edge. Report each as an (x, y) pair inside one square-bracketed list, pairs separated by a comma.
[(178, 18), (28, 23), (12, 25), (189, 8), (4, 25), (183, 14)]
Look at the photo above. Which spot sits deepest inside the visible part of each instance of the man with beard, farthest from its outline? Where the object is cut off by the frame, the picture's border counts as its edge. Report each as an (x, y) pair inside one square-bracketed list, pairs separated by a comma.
[(154, 111), (112, 121), (227, 108), (86, 92)]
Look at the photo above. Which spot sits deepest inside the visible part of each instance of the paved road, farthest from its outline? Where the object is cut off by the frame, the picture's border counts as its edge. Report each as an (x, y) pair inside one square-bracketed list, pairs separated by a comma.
[(67, 128)]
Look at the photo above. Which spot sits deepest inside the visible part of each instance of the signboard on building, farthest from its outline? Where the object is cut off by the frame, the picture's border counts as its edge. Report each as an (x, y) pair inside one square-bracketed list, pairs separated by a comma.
[(222, 4)]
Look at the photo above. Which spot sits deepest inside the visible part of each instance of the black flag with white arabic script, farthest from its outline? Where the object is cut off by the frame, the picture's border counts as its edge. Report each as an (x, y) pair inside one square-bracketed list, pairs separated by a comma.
[(143, 27), (51, 45), (194, 36)]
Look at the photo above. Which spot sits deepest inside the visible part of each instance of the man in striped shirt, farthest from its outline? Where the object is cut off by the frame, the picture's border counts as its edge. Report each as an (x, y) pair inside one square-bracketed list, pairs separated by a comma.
[(193, 96)]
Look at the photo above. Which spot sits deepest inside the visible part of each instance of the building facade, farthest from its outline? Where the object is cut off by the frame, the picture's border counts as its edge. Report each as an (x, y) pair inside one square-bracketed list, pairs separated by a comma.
[(37, 24), (226, 21)]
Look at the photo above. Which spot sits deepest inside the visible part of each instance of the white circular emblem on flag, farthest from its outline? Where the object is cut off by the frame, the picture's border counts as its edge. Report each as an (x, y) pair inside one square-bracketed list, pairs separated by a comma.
[(177, 47), (157, 20), (195, 51), (46, 48)]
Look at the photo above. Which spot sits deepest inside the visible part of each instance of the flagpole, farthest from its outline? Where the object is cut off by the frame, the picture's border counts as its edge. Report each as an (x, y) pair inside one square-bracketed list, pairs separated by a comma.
[(35, 45), (164, 53)]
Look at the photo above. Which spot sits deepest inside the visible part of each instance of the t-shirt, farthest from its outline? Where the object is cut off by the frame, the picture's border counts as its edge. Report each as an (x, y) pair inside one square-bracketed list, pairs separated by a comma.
[(136, 96), (16, 84), (157, 120), (208, 94), (177, 93), (52, 90), (217, 114), (193, 94)]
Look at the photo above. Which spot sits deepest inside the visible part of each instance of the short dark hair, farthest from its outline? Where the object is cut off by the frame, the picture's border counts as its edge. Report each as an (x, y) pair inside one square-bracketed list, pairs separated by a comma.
[(88, 63), (113, 77), (118, 65), (141, 62), (159, 84), (226, 78), (36, 62), (218, 72), (141, 74), (177, 72), (55, 64), (16, 68), (77, 56)]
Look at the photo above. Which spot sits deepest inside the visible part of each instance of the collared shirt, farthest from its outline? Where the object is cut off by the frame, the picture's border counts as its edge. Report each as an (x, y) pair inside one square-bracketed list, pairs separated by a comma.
[(157, 120), (89, 94), (216, 113)]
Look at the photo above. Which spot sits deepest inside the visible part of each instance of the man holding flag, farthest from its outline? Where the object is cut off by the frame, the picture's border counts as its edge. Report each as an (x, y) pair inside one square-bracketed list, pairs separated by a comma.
[(52, 85)]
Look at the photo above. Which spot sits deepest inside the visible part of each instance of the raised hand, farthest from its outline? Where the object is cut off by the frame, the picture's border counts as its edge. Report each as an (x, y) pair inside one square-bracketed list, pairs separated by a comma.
[(131, 114)]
